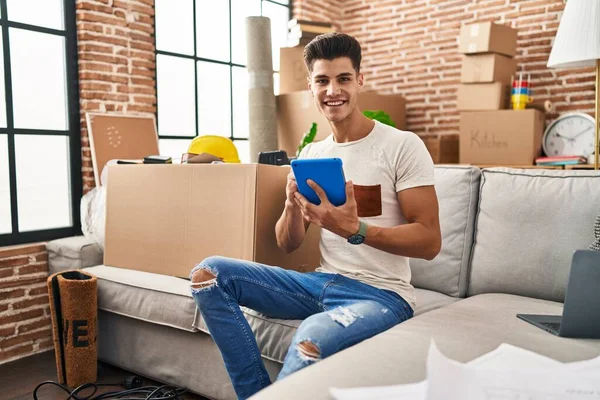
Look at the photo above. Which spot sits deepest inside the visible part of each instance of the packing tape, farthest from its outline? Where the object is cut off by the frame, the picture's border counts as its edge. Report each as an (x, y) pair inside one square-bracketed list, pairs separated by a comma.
[(474, 30), (472, 47), (260, 79)]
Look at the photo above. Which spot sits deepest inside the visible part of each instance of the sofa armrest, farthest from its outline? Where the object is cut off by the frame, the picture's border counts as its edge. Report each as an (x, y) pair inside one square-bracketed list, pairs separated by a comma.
[(74, 252)]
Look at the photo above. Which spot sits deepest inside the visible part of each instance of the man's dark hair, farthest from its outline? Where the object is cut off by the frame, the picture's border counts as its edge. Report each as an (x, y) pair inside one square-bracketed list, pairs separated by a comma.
[(330, 46)]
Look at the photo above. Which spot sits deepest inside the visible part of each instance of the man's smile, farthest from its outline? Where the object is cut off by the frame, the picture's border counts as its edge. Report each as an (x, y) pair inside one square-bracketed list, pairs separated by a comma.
[(335, 103)]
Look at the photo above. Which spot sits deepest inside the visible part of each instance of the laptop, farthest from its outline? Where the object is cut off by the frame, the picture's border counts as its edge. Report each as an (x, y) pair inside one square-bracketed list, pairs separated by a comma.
[(581, 314)]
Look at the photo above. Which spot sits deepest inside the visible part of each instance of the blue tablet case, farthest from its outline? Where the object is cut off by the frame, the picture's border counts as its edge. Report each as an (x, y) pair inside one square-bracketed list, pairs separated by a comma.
[(328, 173)]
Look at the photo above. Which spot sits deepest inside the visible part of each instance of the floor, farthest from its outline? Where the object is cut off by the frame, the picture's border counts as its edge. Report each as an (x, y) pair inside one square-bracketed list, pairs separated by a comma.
[(18, 379)]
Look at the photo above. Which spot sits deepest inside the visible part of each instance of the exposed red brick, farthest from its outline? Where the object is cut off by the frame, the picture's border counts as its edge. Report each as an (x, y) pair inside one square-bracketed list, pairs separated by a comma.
[(32, 269), (16, 351), (26, 303), (38, 290), (13, 262), (25, 337), (34, 325), (12, 294), (21, 281), (23, 316)]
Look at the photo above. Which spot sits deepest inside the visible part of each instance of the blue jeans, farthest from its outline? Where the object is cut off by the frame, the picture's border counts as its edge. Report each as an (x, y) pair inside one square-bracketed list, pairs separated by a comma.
[(338, 312)]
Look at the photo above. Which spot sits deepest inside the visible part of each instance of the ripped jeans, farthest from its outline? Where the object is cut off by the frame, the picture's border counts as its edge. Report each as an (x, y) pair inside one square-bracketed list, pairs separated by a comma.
[(338, 312)]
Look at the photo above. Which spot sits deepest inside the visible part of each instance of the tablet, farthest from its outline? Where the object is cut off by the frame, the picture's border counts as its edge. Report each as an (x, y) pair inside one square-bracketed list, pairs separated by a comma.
[(328, 173)]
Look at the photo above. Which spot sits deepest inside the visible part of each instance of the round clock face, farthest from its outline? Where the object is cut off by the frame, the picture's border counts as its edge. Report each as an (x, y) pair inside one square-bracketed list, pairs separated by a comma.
[(570, 135)]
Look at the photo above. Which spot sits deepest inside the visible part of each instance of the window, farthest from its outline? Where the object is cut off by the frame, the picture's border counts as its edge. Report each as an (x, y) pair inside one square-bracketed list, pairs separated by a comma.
[(201, 75), (40, 150)]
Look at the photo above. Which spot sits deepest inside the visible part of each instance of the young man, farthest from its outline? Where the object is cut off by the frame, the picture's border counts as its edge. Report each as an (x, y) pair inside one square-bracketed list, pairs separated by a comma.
[(362, 286)]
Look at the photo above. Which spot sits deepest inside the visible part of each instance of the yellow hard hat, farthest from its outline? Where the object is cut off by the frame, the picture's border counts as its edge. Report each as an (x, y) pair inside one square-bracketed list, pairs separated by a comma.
[(217, 146)]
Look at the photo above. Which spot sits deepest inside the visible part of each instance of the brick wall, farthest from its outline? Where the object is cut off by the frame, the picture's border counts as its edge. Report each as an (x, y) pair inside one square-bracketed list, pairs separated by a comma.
[(319, 10), (411, 47), (24, 311), (116, 63)]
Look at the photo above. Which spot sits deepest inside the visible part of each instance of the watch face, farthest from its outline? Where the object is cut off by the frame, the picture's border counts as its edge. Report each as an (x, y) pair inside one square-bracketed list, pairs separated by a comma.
[(356, 239), (571, 135)]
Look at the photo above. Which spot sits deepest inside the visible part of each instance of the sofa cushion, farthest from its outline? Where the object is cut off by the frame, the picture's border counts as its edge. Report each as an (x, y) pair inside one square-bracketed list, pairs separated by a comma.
[(428, 300), (529, 223), (73, 252), (159, 299), (457, 188), (462, 331), (167, 300)]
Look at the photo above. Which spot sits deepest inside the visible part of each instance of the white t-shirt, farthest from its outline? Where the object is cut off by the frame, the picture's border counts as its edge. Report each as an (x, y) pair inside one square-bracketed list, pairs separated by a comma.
[(380, 165)]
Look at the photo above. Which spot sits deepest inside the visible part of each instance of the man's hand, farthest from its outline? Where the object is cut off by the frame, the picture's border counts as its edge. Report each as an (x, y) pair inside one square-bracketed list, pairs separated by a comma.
[(291, 189), (342, 220)]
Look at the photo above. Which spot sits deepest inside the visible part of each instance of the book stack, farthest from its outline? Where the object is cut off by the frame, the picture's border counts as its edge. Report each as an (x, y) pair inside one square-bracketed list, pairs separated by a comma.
[(561, 160), (301, 32)]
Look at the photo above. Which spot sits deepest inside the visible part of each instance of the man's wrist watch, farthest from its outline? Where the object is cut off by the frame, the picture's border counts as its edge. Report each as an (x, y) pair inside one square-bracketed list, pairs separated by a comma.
[(359, 237)]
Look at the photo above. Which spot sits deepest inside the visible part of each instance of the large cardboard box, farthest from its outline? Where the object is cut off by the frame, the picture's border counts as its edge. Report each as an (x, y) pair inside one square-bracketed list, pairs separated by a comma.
[(167, 218), (506, 137), (486, 68), (292, 71), (442, 148), (297, 111), (487, 37), (482, 96)]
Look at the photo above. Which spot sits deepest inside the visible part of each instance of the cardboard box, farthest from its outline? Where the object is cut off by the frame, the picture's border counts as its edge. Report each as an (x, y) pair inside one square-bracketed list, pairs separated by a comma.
[(167, 218), (442, 148), (482, 96), (506, 137), (487, 37), (486, 68), (297, 111), (292, 71)]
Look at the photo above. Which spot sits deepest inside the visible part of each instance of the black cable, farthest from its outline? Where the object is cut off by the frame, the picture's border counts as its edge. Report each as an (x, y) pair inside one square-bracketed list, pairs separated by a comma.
[(164, 392)]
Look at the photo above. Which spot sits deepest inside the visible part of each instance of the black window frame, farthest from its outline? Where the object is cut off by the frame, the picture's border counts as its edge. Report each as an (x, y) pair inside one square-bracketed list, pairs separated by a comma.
[(73, 132), (196, 59)]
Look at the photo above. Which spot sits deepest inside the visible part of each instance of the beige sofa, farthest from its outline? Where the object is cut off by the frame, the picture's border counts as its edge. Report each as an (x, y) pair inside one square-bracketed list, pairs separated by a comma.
[(508, 239)]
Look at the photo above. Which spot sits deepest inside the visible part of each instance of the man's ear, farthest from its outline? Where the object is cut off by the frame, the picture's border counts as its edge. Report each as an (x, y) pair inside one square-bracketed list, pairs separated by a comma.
[(308, 83), (361, 80)]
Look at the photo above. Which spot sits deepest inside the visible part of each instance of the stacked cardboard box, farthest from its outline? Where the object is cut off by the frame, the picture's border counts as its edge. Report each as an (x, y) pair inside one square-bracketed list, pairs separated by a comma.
[(488, 66), (490, 133), (442, 148), (301, 32)]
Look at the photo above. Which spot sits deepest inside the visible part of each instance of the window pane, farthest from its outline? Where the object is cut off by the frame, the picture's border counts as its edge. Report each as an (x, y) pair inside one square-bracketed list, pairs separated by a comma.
[(174, 26), (214, 99), (43, 182), (212, 30), (2, 89), (5, 217), (47, 13), (243, 148), (279, 16), (240, 9), (38, 80), (176, 97), (174, 148), (240, 102)]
